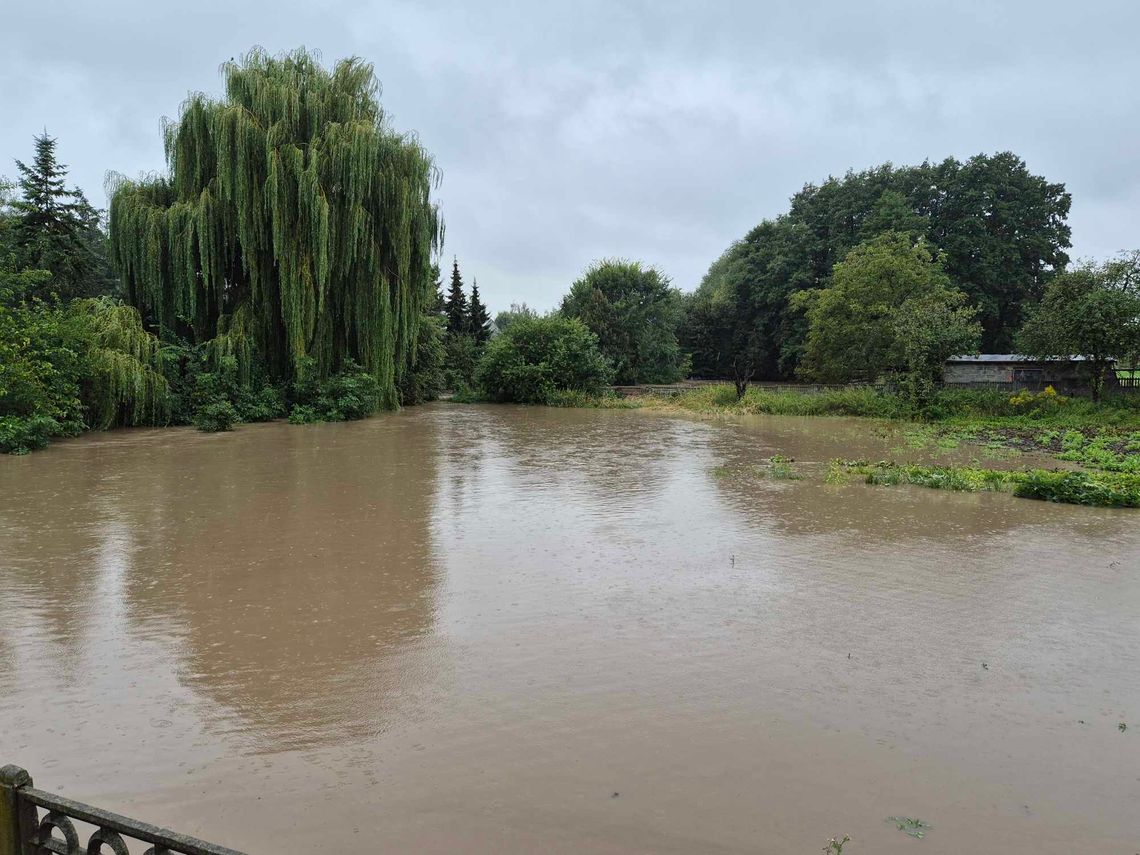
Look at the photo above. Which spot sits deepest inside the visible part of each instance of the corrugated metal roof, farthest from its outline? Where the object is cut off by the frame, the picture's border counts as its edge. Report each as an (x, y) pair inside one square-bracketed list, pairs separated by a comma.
[(1012, 357)]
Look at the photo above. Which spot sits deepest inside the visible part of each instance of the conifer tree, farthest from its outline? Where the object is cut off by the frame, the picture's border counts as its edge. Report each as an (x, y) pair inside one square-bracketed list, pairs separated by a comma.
[(57, 229), (437, 304), (458, 313), (478, 317)]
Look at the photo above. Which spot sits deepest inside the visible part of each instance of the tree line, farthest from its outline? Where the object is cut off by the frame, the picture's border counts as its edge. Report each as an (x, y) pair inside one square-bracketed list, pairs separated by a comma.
[(286, 265)]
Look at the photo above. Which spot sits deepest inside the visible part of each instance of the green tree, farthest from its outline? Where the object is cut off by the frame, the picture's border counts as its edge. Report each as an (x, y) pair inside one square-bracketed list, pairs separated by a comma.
[(723, 330), (479, 320), (56, 229), (517, 312), (1094, 312), (884, 287), (635, 313), (455, 306), (1004, 233), (930, 328), (461, 356), (425, 380), (69, 366), (292, 205), (535, 358), (437, 303), (1001, 229)]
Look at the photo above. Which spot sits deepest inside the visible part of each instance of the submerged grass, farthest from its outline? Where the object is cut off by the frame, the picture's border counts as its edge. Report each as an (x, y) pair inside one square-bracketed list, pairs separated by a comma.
[(1102, 489), (1104, 435)]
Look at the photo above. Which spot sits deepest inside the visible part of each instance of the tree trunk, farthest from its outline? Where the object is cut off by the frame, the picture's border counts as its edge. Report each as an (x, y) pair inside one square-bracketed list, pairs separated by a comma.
[(1096, 383)]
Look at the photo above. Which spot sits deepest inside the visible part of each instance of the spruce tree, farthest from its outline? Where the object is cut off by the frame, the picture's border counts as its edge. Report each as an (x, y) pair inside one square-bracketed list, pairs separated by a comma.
[(458, 314), (57, 229), (436, 307), (478, 317)]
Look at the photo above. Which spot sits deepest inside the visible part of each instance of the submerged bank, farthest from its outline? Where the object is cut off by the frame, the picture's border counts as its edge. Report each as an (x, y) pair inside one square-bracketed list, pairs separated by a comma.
[(1101, 438)]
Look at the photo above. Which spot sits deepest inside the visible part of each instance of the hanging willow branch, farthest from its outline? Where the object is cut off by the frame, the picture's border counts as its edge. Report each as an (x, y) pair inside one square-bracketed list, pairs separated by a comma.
[(293, 218), (124, 384)]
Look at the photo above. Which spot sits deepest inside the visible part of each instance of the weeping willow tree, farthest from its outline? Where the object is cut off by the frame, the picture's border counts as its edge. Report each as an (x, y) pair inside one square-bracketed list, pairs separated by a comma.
[(294, 226), (123, 384)]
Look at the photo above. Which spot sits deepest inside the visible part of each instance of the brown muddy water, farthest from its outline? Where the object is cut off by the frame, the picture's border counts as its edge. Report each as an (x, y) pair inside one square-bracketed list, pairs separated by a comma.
[(497, 629)]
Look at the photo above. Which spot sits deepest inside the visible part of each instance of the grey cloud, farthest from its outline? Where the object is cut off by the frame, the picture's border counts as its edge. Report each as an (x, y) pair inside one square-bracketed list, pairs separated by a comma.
[(657, 130)]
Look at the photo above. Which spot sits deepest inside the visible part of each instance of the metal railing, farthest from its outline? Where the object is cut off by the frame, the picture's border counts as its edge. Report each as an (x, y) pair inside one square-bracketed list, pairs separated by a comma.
[(33, 822)]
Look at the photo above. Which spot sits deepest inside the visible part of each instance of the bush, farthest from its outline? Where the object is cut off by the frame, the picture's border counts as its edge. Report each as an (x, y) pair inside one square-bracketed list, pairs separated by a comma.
[(1081, 488), (42, 359), (424, 380), (353, 393), (536, 358), (215, 416), (20, 434)]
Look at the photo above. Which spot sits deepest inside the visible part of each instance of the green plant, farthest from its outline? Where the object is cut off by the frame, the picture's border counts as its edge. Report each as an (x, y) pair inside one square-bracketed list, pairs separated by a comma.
[(535, 359), (350, 394), (913, 827), (781, 467), (22, 434), (635, 312), (215, 416), (835, 847)]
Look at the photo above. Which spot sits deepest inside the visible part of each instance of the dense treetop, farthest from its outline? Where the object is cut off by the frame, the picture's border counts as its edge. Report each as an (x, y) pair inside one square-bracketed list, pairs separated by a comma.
[(293, 218), (1001, 230)]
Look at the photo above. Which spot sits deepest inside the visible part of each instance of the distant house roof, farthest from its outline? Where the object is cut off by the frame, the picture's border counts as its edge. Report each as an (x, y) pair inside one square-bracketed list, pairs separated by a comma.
[(1013, 357)]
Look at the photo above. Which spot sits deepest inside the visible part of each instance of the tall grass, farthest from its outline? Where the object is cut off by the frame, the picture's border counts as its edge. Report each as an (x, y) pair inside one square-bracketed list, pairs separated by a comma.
[(951, 406)]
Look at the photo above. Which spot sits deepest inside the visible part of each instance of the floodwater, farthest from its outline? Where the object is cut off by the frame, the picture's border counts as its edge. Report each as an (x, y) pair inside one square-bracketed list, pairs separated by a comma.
[(498, 629)]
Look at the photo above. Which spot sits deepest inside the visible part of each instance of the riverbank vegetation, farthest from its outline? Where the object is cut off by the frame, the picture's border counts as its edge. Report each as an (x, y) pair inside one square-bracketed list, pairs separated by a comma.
[(1114, 490), (282, 266), (286, 265)]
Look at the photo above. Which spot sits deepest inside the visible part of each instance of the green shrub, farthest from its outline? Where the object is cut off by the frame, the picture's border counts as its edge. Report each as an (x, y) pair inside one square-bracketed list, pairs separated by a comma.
[(302, 414), (22, 434), (425, 380), (353, 393), (539, 357), (215, 416), (43, 346), (1081, 488)]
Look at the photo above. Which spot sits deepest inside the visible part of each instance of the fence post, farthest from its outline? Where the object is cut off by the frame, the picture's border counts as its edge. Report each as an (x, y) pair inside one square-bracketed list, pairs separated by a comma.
[(13, 814)]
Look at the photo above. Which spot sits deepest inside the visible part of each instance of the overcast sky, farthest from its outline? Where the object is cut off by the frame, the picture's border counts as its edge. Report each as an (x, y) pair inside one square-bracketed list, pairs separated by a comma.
[(662, 131)]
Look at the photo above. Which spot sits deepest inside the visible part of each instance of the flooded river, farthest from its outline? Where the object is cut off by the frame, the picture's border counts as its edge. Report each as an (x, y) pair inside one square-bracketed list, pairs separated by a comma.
[(489, 629)]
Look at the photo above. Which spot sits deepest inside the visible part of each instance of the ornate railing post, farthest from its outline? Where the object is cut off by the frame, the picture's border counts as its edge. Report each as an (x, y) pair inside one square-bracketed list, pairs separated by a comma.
[(16, 815)]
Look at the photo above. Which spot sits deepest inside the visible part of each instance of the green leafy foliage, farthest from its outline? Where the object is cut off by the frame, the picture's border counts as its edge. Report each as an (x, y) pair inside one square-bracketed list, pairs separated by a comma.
[(64, 367), (726, 327), (889, 309), (425, 379), (1093, 311), (345, 396), (635, 313), (215, 416), (517, 312), (123, 383), (461, 357), (22, 434), (535, 359), (1071, 487), (1001, 230), (292, 217), (254, 400)]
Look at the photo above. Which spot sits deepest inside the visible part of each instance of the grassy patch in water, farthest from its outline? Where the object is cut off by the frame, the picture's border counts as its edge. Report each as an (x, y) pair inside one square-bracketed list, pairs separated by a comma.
[(776, 466), (1101, 489)]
